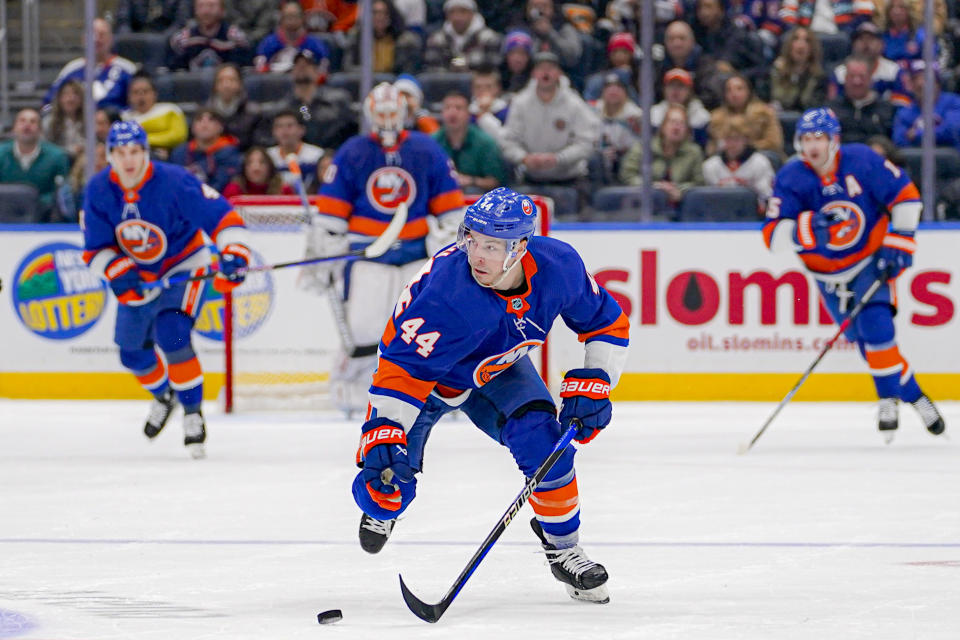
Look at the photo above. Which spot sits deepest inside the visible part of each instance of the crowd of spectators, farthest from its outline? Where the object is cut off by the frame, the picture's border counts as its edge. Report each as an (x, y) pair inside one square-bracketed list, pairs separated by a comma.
[(541, 94)]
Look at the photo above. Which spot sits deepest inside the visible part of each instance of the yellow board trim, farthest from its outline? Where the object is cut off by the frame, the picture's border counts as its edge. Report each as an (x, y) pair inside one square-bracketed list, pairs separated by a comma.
[(87, 386)]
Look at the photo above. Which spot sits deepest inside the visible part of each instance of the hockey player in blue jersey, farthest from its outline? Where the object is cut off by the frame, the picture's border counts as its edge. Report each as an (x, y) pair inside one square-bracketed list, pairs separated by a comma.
[(143, 221), (459, 338), (368, 179), (851, 216)]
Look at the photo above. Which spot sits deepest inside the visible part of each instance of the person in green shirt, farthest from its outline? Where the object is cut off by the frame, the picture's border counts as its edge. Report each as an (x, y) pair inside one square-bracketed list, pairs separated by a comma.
[(475, 154), (29, 160)]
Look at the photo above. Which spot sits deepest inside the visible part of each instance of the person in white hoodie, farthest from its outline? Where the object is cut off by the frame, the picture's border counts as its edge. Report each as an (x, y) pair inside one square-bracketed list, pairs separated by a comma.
[(464, 41), (550, 132), (738, 164)]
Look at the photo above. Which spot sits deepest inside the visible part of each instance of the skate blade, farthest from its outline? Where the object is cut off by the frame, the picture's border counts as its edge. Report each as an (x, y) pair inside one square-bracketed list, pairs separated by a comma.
[(888, 436), (597, 595), (197, 451)]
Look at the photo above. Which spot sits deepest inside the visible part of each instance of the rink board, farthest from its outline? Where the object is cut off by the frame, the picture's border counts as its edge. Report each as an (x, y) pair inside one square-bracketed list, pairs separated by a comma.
[(713, 316)]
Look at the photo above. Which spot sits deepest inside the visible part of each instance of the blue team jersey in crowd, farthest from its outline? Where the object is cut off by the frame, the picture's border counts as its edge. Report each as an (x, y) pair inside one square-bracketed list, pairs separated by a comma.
[(365, 184), (449, 332), (858, 193), (158, 223)]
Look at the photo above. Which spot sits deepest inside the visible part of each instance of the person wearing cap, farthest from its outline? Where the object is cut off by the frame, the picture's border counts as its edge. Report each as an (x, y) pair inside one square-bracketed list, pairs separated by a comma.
[(550, 32), (396, 49), (517, 61), (208, 40), (288, 131), (325, 110), (277, 51), (464, 41), (827, 16), (908, 125), (885, 73), (621, 49), (210, 155), (418, 117), (678, 89), (861, 111), (738, 164), (550, 132), (620, 127)]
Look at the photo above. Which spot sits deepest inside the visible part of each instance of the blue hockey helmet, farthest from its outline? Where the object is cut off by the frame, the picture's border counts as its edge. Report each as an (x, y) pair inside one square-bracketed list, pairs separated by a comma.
[(126, 132), (820, 120), (503, 214)]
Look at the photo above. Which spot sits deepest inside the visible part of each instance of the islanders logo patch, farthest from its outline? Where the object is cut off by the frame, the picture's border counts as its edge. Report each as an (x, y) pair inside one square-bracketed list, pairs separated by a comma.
[(252, 303), (493, 366), (144, 242), (848, 224), (54, 293), (387, 187)]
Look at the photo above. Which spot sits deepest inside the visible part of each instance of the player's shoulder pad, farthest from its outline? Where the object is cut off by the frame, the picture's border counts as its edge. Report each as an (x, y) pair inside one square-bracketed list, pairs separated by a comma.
[(859, 152), (550, 251)]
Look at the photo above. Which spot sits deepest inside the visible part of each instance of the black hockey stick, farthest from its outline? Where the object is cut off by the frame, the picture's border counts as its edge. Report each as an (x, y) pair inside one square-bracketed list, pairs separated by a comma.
[(432, 612), (745, 446), (373, 250)]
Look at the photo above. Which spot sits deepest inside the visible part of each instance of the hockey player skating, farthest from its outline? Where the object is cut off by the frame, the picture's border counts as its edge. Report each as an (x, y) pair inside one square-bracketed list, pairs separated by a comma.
[(143, 220), (459, 338), (851, 217), (369, 177)]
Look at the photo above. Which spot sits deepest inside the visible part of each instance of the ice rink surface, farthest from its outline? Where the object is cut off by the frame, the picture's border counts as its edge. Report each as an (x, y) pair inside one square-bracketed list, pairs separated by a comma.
[(820, 532)]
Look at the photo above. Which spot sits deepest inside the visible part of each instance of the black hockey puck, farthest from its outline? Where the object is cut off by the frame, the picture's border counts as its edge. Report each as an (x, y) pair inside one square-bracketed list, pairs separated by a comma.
[(329, 617)]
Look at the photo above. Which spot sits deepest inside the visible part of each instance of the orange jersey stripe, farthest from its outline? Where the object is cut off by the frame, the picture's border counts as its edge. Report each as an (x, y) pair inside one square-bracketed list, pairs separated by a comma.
[(823, 264), (768, 232), (153, 377), (394, 377), (196, 242), (232, 219), (389, 333), (333, 206), (413, 230), (909, 192), (619, 329), (446, 202), (185, 371)]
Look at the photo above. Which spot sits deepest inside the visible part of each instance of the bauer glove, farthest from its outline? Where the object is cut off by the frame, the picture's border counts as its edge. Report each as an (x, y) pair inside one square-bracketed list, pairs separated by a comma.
[(386, 485), (586, 398), (124, 279), (895, 255), (234, 260)]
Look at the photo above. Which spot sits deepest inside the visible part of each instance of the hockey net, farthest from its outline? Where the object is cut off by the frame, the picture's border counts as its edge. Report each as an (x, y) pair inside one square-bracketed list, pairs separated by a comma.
[(281, 341)]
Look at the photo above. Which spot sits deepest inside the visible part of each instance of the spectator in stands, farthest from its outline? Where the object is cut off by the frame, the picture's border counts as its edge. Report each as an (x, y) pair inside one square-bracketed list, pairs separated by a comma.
[(732, 48), (902, 37), (258, 177), (908, 123), (151, 16), (827, 16), (288, 132), (499, 14), (112, 72), (414, 13), (164, 122), (333, 16), (63, 124), (28, 159), (761, 16), (550, 32), (256, 18), (396, 49), (488, 109), (621, 49), (102, 120), (765, 130), (550, 131), (517, 61), (915, 8), (677, 163), (325, 110), (678, 90), (885, 147), (208, 40), (798, 81), (418, 117), (210, 155), (464, 41), (861, 111), (277, 51), (242, 118), (620, 118), (738, 164), (885, 74), (78, 179), (681, 51), (475, 154)]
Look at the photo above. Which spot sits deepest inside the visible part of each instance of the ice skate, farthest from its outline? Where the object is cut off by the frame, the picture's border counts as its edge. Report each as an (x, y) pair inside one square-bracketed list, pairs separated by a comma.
[(888, 418), (194, 434), (584, 579), (160, 410), (374, 533), (932, 419)]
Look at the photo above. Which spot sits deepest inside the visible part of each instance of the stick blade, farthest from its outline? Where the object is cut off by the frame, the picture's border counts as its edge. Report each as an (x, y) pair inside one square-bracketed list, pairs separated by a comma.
[(386, 239), (426, 612), (743, 448)]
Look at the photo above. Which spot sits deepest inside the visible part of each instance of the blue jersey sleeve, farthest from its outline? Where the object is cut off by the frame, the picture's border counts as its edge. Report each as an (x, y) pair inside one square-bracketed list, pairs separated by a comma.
[(339, 190), (590, 311), (210, 211), (445, 194)]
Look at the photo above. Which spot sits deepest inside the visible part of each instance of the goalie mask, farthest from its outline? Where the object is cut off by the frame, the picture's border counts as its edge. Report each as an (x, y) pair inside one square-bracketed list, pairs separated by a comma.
[(385, 110), (506, 218)]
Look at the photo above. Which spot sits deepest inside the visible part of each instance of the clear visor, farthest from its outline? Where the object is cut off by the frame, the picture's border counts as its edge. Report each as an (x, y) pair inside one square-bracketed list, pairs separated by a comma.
[(490, 249), (802, 142)]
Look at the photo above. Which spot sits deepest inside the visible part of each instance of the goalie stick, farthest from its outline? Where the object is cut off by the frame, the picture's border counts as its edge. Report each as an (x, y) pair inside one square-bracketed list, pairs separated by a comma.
[(746, 446), (373, 250), (432, 612)]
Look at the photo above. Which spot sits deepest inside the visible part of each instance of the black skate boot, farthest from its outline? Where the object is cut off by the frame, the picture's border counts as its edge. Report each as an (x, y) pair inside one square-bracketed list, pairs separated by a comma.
[(160, 410), (932, 419), (888, 418), (584, 579), (194, 434), (374, 533)]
